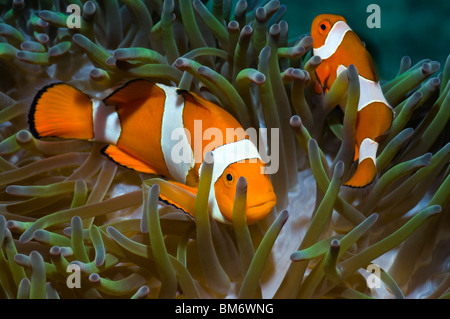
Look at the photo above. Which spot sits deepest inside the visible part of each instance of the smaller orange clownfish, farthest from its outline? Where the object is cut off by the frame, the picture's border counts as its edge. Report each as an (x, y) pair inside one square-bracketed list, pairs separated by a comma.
[(338, 47), (138, 121)]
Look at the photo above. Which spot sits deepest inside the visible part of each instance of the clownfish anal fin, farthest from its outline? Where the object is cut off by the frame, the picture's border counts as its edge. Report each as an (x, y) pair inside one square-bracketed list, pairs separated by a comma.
[(124, 159), (138, 89)]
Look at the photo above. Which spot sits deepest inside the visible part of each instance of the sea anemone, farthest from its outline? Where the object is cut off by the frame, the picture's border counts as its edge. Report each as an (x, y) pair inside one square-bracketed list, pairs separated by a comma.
[(64, 208)]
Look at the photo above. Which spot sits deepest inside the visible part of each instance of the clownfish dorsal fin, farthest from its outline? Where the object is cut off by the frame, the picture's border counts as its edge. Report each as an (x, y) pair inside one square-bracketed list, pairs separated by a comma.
[(196, 99), (133, 90), (124, 159)]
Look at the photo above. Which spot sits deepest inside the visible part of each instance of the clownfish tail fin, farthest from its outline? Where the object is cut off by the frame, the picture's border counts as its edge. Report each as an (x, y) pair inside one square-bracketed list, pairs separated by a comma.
[(366, 172), (61, 110)]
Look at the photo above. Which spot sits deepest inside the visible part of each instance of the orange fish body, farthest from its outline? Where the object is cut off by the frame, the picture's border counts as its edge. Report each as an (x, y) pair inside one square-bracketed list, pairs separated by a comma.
[(154, 128), (338, 46)]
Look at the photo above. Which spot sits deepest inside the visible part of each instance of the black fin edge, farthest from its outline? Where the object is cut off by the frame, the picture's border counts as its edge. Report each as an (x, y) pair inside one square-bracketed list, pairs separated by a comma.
[(173, 205), (367, 186), (32, 111), (360, 187), (122, 87), (183, 91), (103, 152)]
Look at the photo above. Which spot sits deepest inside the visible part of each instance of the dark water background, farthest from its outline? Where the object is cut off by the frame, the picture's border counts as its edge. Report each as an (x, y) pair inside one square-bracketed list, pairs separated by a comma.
[(417, 28)]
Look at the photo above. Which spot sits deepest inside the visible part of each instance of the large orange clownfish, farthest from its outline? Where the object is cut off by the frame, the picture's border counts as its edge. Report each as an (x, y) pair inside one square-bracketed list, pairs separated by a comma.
[(137, 122), (338, 47)]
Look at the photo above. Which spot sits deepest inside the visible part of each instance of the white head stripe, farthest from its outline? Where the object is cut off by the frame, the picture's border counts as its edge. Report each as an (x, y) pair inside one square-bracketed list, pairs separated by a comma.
[(172, 123), (106, 122), (370, 91), (224, 156), (230, 153), (333, 40), (368, 149)]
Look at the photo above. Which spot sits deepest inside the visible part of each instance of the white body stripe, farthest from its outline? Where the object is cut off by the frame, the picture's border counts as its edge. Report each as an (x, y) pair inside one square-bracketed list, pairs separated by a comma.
[(106, 122), (368, 149), (172, 121), (370, 91), (333, 40), (224, 156)]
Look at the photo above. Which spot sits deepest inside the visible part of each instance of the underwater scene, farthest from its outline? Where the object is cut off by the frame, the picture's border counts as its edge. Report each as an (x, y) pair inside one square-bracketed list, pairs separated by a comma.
[(224, 149)]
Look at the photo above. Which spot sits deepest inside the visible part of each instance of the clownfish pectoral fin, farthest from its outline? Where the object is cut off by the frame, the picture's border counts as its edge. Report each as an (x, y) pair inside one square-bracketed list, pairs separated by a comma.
[(138, 89), (180, 196), (124, 159), (366, 172), (356, 155), (318, 88), (192, 190), (323, 72), (61, 110)]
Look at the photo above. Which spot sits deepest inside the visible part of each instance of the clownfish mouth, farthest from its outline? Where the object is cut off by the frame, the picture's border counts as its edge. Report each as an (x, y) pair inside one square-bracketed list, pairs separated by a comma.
[(260, 207)]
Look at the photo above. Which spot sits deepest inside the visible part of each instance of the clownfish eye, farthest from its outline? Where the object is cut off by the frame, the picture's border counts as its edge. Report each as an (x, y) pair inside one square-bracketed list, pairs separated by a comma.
[(229, 178), (324, 26)]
